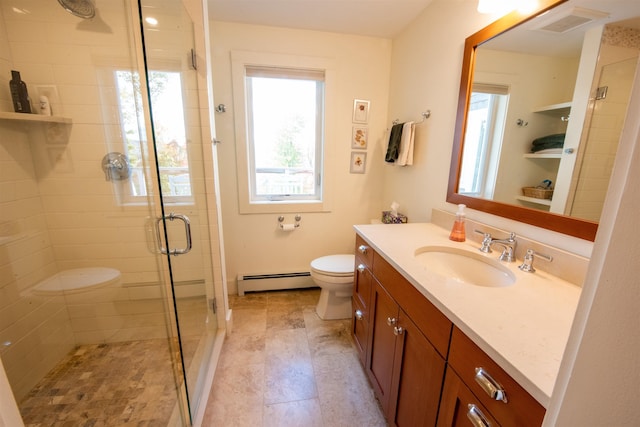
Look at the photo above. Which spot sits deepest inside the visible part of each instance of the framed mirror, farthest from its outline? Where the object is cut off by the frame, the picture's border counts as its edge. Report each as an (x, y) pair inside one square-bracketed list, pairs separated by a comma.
[(526, 126)]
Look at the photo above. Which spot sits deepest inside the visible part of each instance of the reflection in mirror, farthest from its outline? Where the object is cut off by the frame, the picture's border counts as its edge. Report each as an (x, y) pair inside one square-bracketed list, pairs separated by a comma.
[(542, 107)]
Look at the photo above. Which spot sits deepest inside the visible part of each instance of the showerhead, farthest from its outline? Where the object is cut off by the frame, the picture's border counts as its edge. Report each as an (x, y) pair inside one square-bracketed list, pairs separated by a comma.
[(80, 8)]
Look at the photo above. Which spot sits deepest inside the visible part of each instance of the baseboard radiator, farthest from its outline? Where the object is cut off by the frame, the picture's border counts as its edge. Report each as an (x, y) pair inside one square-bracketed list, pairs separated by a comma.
[(274, 281)]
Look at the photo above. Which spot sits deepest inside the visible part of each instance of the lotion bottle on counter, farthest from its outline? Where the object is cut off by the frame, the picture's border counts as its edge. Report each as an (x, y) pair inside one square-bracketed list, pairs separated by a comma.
[(457, 231)]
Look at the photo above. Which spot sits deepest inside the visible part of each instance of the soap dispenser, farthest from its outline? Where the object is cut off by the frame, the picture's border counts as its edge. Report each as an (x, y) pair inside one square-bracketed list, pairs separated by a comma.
[(458, 231)]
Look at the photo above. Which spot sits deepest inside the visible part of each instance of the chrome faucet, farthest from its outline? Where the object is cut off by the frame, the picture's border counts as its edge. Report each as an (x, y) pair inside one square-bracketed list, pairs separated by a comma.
[(509, 246)]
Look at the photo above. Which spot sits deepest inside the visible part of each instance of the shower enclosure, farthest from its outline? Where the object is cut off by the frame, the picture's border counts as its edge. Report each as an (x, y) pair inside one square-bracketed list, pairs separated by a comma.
[(109, 239)]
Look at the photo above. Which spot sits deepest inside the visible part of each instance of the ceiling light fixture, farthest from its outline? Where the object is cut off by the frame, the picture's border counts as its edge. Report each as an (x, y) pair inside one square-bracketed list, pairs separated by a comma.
[(151, 21)]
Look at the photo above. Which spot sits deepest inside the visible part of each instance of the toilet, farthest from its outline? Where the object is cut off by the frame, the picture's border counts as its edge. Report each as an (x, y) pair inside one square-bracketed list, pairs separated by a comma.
[(334, 275)]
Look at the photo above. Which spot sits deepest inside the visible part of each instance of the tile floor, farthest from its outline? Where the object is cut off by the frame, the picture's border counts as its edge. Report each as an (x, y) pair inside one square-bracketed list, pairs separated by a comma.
[(284, 366)]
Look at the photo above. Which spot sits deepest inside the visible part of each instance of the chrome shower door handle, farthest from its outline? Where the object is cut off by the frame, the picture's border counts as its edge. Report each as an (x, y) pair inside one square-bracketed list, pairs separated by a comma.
[(187, 229)]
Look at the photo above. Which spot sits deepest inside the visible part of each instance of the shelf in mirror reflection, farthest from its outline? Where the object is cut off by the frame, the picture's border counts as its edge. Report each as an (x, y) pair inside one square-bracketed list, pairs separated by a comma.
[(542, 155), (545, 202)]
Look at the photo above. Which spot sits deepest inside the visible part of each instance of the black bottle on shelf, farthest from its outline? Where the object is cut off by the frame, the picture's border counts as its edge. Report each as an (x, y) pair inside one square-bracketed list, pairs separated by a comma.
[(19, 94)]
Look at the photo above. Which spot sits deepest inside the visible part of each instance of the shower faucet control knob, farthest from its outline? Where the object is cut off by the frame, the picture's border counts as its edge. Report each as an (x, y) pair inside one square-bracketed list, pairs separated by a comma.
[(116, 167)]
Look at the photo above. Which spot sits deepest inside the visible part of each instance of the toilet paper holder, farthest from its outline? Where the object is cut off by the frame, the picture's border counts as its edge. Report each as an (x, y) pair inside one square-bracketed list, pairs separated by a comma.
[(289, 227)]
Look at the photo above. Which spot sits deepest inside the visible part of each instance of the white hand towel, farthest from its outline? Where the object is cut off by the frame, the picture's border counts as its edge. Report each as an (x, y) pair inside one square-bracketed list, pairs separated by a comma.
[(405, 157)]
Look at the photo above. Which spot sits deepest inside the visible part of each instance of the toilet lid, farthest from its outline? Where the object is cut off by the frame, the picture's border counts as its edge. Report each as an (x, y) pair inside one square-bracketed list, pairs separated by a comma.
[(334, 265)]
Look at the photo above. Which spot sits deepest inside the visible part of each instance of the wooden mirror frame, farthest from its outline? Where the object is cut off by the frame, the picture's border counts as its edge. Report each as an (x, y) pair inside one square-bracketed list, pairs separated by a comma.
[(580, 228)]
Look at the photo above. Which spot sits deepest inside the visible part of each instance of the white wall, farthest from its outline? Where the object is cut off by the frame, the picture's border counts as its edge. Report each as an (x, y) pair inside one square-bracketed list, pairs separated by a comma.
[(253, 243), (425, 74)]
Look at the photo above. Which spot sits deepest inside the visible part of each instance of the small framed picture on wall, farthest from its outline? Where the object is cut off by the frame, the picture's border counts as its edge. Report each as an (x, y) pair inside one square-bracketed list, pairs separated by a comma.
[(358, 162), (359, 137), (360, 111)]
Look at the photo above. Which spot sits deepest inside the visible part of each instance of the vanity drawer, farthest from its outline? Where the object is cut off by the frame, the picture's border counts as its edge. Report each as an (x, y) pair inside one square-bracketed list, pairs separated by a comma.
[(364, 253), (431, 322), (459, 407), (520, 408)]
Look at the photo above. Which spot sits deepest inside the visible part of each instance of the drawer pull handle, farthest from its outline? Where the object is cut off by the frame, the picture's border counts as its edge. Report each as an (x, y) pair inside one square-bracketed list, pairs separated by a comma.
[(359, 315), (391, 321), (490, 386), (398, 330), (361, 268), (477, 417), (362, 249)]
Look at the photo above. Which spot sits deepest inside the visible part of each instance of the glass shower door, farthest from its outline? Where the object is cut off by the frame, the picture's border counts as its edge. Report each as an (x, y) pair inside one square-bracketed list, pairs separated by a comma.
[(183, 232)]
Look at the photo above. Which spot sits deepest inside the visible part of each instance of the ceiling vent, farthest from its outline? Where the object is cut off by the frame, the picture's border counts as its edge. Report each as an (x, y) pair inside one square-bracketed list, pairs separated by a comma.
[(567, 21)]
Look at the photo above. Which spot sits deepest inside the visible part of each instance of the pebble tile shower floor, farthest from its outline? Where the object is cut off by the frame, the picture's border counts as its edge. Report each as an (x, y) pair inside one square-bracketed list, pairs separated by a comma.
[(119, 384), (284, 366)]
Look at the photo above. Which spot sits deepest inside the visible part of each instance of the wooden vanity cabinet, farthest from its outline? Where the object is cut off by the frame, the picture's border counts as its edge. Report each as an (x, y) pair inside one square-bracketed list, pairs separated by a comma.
[(403, 366), (405, 343)]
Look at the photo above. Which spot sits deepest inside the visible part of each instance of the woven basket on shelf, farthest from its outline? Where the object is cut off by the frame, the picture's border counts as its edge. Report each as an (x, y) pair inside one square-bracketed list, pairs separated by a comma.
[(538, 193)]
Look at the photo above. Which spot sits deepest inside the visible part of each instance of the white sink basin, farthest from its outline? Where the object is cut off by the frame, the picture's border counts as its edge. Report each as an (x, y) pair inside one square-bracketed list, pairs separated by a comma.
[(465, 266)]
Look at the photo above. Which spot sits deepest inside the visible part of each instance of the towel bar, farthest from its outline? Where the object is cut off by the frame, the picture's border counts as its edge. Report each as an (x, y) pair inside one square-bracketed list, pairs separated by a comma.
[(425, 116)]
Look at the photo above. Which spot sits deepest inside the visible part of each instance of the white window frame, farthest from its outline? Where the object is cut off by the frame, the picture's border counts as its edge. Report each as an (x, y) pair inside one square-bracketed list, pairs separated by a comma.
[(239, 62), (126, 195), (107, 75), (491, 145), (287, 73)]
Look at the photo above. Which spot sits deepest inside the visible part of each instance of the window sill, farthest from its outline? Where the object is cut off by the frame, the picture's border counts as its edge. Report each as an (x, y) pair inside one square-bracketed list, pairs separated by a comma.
[(284, 207)]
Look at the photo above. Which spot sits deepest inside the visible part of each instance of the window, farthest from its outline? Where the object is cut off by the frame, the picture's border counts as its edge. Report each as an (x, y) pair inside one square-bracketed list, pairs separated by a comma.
[(165, 88), (482, 142), (285, 122), (279, 104)]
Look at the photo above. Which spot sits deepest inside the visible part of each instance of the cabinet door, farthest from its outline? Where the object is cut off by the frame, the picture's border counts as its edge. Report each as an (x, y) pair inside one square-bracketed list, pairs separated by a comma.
[(362, 284), (379, 367), (459, 407), (360, 329), (417, 377)]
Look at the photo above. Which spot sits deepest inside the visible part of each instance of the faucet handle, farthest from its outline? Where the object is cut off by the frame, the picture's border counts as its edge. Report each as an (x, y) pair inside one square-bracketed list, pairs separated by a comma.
[(527, 263), (486, 242)]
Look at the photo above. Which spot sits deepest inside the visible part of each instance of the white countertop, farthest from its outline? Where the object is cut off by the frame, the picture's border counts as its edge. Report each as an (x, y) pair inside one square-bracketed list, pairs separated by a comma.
[(523, 327)]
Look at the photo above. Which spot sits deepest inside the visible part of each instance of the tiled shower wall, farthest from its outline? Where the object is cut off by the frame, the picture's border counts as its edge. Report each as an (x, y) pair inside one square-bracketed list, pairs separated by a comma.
[(620, 48), (58, 212), (35, 332)]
